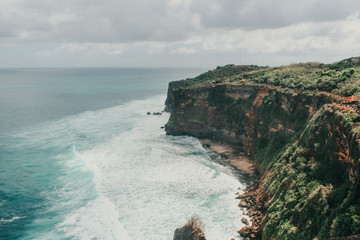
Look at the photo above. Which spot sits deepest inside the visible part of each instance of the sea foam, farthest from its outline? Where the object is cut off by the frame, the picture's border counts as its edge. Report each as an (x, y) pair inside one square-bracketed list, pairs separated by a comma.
[(119, 176), (2, 220)]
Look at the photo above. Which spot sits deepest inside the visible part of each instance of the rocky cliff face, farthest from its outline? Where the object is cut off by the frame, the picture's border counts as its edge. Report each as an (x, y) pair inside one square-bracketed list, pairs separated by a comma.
[(254, 119), (314, 185), (305, 148)]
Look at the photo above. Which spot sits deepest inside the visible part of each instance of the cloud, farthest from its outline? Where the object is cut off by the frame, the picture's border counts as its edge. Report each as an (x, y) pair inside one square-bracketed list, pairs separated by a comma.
[(157, 20), (97, 21), (84, 49), (143, 31), (308, 36), (184, 50), (263, 14)]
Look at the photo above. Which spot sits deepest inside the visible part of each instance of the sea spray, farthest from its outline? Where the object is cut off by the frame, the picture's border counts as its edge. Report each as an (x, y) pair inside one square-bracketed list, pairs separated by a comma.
[(111, 173)]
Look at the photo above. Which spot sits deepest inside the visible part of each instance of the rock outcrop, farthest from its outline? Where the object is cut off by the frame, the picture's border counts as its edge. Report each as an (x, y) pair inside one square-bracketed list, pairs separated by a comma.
[(254, 200), (246, 117), (192, 230), (305, 145)]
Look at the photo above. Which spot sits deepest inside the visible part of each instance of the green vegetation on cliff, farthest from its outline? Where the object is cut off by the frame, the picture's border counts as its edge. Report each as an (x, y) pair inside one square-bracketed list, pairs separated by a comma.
[(314, 185), (339, 78), (293, 122), (311, 76)]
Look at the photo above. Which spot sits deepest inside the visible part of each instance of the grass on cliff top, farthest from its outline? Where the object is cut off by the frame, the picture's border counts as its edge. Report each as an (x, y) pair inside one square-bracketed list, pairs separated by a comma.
[(342, 78)]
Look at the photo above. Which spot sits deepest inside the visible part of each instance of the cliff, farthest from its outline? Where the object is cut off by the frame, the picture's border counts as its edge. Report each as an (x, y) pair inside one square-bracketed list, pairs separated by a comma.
[(304, 141)]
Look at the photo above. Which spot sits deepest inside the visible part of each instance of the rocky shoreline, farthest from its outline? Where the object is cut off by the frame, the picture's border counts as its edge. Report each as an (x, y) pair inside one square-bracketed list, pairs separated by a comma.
[(303, 138), (241, 164), (252, 201)]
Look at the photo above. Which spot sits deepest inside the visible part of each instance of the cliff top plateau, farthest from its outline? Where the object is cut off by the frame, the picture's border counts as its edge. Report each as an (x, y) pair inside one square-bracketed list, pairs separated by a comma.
[(299, 125)]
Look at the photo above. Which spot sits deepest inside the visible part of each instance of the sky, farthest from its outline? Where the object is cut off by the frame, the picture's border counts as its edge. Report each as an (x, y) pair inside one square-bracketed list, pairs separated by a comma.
[(176, 33)]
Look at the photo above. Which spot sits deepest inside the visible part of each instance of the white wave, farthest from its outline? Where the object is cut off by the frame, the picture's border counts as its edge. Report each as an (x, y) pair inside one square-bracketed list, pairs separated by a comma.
[(2, 220), (127, 180), (156, 182), (98, 219)]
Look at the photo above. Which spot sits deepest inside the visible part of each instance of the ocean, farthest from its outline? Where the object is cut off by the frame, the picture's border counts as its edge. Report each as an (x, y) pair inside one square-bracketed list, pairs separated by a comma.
[(80, 158)]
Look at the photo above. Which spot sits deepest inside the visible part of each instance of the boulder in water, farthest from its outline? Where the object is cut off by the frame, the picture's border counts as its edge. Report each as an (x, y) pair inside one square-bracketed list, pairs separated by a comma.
[(192, 230)]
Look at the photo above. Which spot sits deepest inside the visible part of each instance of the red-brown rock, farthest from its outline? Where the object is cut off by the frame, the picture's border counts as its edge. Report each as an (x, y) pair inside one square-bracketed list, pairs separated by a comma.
[(243, 203), (245, 221)]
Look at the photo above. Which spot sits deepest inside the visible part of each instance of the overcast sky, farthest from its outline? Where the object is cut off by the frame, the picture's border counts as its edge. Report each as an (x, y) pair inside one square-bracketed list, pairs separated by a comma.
[(176, 33)]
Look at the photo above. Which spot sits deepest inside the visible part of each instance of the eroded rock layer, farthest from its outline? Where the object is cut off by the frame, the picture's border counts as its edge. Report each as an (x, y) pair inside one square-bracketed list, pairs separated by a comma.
[(305, 145)]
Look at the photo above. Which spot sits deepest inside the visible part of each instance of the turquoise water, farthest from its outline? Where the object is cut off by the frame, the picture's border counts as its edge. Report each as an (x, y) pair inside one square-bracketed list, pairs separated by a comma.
[(81, 159)]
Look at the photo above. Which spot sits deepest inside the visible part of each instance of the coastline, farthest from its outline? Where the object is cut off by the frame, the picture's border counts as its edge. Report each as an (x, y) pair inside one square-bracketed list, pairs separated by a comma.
[(303, 139), (241, 163), (252, 200)]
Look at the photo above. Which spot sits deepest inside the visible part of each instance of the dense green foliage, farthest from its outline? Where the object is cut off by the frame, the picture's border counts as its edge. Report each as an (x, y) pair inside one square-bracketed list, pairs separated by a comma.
[(312, 193), (308, 148), (278, 124), (340, 78), (311, 76), (218, 75)]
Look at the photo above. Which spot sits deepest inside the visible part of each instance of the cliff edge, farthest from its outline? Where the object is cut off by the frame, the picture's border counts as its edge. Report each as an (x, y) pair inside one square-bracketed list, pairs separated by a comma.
[(300, 126)]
